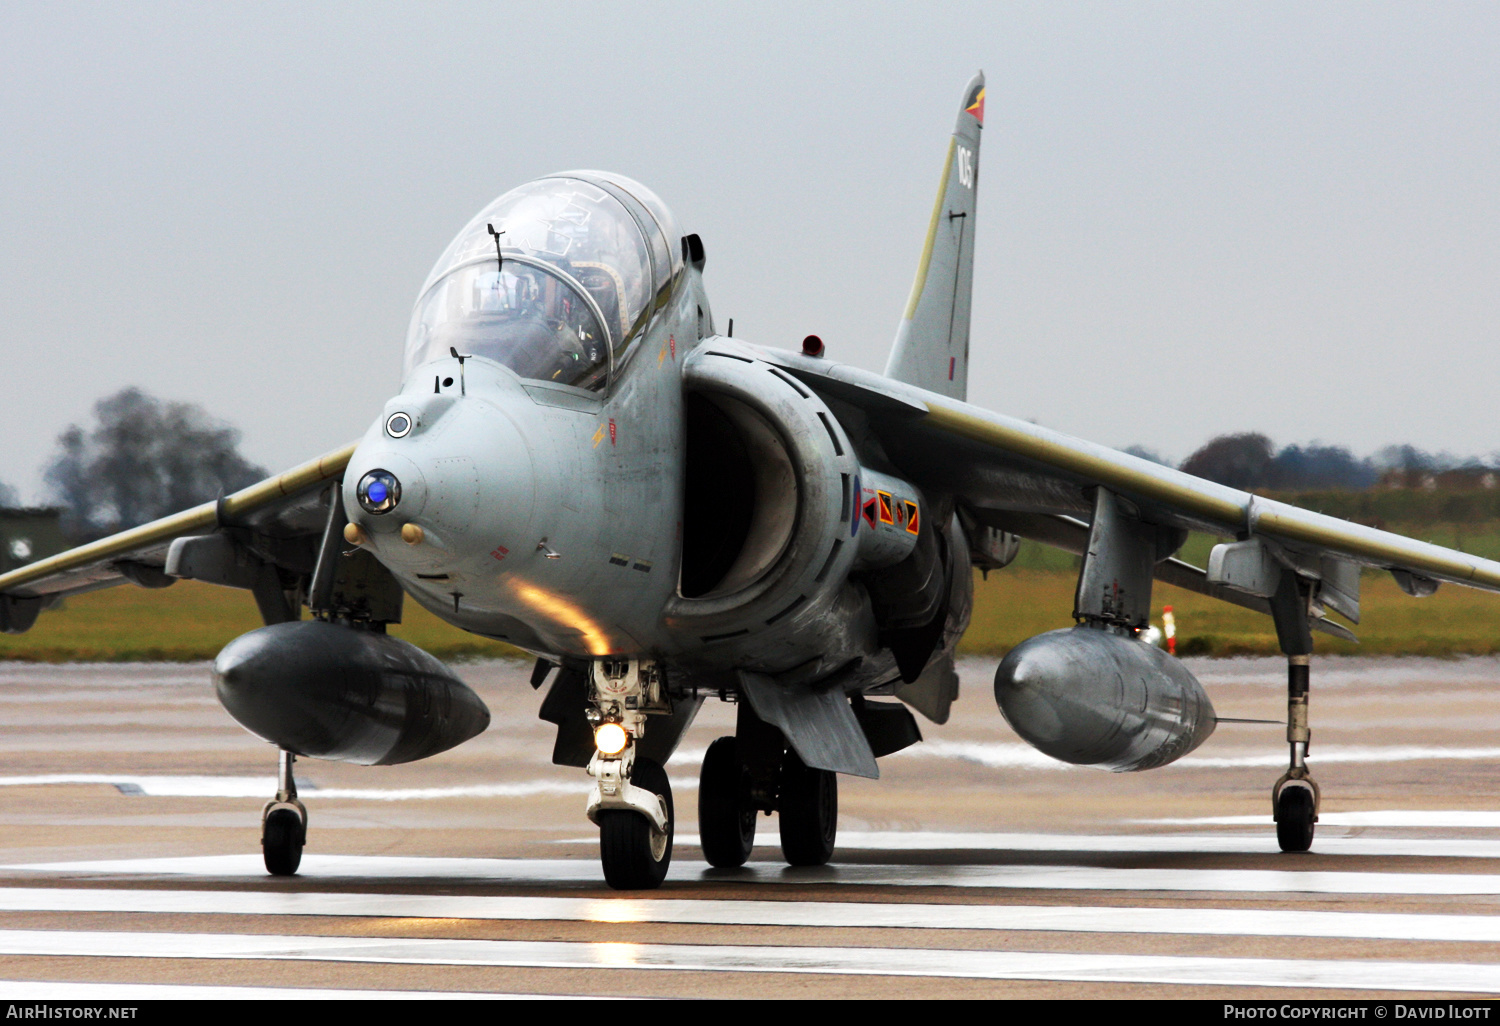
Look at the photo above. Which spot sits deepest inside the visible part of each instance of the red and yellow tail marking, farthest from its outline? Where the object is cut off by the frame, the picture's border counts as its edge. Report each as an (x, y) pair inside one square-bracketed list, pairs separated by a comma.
[(976, 106)]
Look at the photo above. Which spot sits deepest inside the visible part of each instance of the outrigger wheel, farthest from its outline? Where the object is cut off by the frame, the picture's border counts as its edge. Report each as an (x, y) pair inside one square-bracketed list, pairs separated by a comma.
[(635, 854), (1296, 811), (726, 812), (283, 823), (808, 803), (281, 839)]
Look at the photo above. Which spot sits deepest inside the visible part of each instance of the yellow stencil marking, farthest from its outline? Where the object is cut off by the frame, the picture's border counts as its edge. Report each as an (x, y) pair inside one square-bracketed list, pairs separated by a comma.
[(598, 436)]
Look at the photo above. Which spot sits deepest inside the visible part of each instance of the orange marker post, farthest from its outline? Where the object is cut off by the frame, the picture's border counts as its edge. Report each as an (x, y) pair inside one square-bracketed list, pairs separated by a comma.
[(1169, 628)]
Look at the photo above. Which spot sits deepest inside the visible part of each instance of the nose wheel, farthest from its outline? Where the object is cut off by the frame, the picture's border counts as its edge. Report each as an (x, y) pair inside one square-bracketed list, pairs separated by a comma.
[(283, 826), (726, 810), (634, 851)]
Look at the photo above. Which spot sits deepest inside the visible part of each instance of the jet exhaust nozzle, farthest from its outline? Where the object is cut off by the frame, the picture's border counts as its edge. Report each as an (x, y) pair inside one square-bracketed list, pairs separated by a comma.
[(1095, 698), (332, 692)]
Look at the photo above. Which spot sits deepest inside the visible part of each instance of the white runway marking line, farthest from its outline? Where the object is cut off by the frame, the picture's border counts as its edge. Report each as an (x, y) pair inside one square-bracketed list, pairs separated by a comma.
[(46, 990), (263, 787), (992, 754), (1011, 755), (832, 914), (1423, 818), (552, 872), (942, 963), (1214, 844)]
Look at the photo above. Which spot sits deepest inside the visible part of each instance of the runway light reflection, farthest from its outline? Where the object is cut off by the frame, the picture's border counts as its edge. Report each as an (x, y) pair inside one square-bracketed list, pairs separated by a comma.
[(618, 911)]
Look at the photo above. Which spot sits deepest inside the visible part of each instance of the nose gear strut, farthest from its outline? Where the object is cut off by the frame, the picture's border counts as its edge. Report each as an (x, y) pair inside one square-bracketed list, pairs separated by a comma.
[(631, 802)]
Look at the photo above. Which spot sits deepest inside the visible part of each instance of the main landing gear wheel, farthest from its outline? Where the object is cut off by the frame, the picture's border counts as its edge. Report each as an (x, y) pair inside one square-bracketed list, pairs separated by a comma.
[(726, 816), (1295, 813), (808, 803), (281, 840), (636, 854)]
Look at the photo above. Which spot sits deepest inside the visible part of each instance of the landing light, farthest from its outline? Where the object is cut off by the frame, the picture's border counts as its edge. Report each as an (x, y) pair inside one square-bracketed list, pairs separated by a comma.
[(610, 738), (378, 491)]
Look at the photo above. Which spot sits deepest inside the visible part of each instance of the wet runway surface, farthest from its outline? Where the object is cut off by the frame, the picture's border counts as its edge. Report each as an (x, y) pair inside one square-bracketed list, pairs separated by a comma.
[(130, 867)]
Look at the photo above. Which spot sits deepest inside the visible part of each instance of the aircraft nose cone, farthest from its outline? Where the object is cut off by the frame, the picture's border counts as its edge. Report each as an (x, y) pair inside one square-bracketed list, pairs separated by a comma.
[(454, 486)]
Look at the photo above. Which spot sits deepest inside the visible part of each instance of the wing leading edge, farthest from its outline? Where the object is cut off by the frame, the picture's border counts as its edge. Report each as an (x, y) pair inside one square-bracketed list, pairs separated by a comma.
[(274, 505), (1001, 465)]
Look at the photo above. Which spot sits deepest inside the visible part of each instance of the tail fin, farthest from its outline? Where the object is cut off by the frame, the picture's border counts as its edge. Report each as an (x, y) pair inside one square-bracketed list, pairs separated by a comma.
[(932, 342)]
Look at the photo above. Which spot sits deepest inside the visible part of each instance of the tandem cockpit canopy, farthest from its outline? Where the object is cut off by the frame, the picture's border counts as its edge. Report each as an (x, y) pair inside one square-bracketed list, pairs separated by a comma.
[(583, 257)]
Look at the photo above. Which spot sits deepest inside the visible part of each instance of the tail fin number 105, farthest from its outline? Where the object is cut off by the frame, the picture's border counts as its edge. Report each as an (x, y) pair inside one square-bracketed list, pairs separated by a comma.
[(965, 168)]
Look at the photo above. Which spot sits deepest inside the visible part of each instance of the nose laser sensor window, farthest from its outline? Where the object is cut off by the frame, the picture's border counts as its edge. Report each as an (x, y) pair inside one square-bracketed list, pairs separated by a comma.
[(379, 491), (398, 425)]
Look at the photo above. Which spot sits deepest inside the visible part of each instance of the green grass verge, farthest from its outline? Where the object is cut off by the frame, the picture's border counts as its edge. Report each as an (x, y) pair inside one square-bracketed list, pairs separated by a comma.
[(1015, 604), (191, 621)]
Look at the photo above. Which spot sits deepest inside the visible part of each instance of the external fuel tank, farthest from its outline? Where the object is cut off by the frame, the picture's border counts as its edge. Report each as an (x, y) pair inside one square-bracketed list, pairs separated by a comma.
[(333, 692), (1092, 697)]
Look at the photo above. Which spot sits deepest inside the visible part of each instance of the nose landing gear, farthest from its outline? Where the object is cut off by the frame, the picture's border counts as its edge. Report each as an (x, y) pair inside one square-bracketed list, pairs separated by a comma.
[(283, 824), (636, 850), (632, 800)]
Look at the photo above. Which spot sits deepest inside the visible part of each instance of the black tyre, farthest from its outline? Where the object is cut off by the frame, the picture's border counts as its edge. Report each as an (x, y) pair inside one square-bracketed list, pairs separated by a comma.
[(1294, 819), (726, 817), (281, 842), (634, 853), (808, 803)]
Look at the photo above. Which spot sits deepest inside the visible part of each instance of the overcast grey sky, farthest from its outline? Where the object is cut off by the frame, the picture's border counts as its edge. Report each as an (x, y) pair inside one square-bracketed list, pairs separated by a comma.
[(1193, 218)]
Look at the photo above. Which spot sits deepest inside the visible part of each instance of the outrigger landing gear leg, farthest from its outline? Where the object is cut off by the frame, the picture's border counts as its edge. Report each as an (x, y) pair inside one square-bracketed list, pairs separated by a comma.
[(283, 823), (1295, 797), (632, 801)]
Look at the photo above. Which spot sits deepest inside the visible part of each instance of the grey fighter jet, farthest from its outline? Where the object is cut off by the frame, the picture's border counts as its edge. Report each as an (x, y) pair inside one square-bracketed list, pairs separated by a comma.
[(578, 463)]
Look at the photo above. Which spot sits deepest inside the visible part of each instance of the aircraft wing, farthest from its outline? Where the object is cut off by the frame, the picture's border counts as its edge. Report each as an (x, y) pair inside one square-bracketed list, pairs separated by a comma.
[(1037, 483), (281, 520)]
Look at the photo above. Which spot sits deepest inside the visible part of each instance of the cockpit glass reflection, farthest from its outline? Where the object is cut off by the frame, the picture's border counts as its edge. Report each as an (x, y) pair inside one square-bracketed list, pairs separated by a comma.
[(525, 317), (574, 283)]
